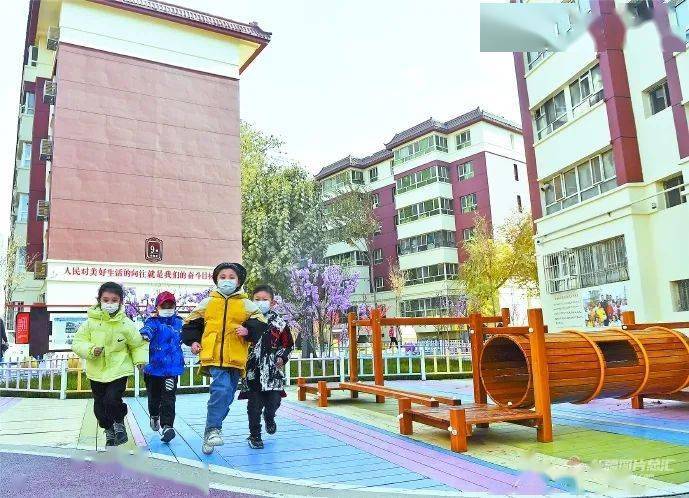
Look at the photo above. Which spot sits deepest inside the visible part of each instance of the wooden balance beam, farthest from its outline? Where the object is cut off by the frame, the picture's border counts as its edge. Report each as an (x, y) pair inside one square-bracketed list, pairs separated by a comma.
[(459, 421), (324, 390)]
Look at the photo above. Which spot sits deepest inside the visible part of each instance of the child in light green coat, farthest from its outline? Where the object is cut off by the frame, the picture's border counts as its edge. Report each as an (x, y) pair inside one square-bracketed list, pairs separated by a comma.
[(111, 346)]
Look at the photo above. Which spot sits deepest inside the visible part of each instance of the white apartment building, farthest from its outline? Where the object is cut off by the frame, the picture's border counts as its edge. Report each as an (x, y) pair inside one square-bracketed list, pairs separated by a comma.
[(607, 152), (429, 182)]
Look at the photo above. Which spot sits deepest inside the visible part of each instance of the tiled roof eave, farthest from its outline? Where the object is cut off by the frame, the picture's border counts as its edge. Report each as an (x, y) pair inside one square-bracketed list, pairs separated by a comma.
[(174, 13)]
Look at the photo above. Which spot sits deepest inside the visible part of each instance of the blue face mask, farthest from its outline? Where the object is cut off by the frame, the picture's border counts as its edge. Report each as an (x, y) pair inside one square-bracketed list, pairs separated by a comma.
[(264, 306), (227, 287)]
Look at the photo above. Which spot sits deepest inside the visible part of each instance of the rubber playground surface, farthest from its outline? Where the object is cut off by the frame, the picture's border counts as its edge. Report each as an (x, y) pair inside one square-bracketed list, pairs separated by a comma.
[(353, 447)]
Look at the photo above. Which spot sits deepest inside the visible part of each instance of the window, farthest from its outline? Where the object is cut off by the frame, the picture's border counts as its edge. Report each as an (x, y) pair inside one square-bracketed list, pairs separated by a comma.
[(463, 139), (551, 115), (432, 273), (352, 258), (428, 306), (593, 264), (516, 172), (659, 98), (673, 195), (431, 207), (20, 262), (421, 178), (519, 203), (335, 182), (26, 155), (682, 16), (587, 180), (377, 256), (29, 104), (586, 90), (375, 200), (426, 242), (23, 208), (392, 166), (468, 203), (512, 141), (533, 58), (681, 291), (465, 171), (357, 177), (560, 271), (373, 174), (642, 10), (32, 56), (468, 233), (380, 283), (584, 6), (420, 147)]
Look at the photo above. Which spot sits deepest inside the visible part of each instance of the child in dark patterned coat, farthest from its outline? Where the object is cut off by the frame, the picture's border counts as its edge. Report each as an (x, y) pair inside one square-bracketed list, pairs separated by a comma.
[(264, 385)]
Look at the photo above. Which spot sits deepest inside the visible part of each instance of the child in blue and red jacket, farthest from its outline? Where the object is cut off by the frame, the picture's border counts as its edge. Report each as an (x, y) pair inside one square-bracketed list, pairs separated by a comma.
[(165, 364)]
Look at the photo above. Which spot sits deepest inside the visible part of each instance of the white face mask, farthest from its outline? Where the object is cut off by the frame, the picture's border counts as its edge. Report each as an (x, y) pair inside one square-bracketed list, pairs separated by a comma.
[(264, 306), (166, 313), (110, 307), (227, 287)]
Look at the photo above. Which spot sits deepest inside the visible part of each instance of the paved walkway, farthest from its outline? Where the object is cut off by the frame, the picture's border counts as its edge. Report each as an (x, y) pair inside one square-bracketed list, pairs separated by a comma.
[(603, 448)]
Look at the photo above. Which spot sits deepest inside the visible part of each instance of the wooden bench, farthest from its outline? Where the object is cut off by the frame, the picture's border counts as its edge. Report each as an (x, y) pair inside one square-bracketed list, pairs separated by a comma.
[(324, 389), (460, 420), (321, 388), (389, 392)]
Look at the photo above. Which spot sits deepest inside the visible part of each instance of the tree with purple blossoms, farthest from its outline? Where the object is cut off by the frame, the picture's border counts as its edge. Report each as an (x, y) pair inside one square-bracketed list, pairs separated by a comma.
[(322, 294)]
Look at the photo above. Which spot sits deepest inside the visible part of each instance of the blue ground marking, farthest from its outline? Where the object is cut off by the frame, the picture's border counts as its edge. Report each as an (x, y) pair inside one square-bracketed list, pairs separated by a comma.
[(640, 419), (152, 438), (627, 430), (179, 447), (296, 451), (462, 456)]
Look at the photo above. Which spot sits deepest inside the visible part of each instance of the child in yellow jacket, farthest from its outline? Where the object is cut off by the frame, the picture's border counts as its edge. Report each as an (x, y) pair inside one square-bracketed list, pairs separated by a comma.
[(111, 345), (219, 330)]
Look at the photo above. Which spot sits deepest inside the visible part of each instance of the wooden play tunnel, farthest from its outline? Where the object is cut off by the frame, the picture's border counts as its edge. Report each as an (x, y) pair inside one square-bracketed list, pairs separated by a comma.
[(587, 365)]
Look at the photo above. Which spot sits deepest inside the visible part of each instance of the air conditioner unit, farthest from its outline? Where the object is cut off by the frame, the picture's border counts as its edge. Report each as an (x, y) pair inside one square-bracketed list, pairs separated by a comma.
[(43, 210), (46, 150), (53, 37), (49, 92), (40, 270)]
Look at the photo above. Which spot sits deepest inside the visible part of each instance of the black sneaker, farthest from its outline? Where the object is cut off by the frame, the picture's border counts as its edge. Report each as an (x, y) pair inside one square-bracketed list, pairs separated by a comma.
[(120, 433), (271, 426), (110, 438), (168, 434), (255, 442), (155, 423)]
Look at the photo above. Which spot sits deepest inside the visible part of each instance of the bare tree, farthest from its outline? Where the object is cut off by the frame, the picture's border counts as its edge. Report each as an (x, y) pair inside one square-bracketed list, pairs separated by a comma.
[(351, 216), (397, 284)]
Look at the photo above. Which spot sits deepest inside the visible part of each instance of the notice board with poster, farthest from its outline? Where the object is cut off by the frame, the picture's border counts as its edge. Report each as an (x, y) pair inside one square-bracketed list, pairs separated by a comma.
[(64, 326)]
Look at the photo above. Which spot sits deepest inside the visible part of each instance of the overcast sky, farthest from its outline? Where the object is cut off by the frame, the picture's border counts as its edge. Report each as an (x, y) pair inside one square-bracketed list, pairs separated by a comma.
[(339, 76)]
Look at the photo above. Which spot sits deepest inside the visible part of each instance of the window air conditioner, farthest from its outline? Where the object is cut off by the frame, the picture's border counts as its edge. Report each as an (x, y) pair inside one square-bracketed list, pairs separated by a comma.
[(49, 92), (43, 210), (46, 149), (40, 270), (53, 37)]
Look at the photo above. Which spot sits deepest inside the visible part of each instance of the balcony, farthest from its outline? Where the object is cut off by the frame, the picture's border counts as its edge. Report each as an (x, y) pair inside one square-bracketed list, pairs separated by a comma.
[(426, 225), (429, 257), (580, 137), (22, 176), (420, 194), (26, 126)]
